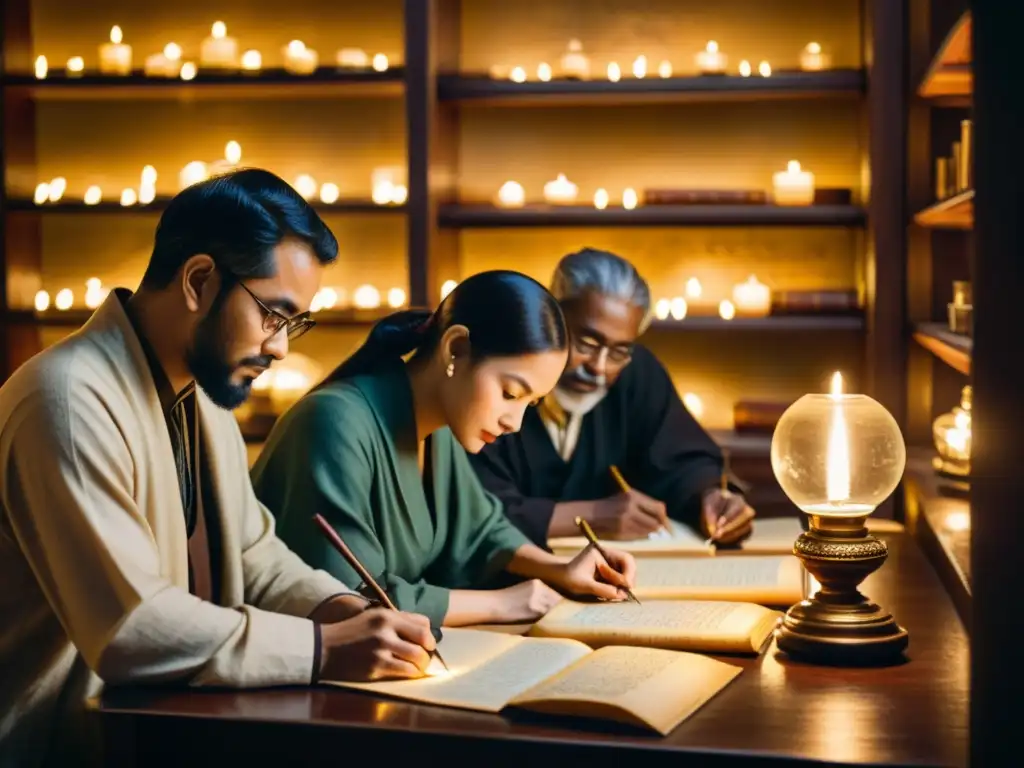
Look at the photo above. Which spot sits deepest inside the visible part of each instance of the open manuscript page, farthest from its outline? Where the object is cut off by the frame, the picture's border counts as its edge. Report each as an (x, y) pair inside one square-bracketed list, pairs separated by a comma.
[(705, 626), (647, 687), (773, 536), (761, 579)]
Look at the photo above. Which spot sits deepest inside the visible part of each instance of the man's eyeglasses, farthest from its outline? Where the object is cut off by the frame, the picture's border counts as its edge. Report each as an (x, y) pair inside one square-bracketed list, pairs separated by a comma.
[(274, 321), (591, 347)]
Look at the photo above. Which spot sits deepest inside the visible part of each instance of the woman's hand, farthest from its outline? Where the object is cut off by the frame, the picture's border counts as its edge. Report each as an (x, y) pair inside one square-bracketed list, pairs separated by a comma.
[(589, 573), (527, 601)]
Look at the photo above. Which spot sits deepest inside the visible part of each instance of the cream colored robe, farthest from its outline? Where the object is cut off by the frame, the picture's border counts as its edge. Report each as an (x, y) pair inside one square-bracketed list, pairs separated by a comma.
[(93, 549)]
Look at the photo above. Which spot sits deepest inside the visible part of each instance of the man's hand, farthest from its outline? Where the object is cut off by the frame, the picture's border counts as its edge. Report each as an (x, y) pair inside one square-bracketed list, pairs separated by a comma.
[(726, 518), (376, 644), (339, 608), (590, 574), (630, 515)]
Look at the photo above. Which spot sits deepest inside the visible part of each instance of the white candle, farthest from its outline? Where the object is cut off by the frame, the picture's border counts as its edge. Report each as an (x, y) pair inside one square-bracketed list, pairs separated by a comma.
[(661, 309), (116, 56), (837, 460), (518, 75), (252, 61), (128, 197), (218, 51), (65, 298), (329, 193), (352, 58), (447, 287), (396, 298), (148, 176), (752, 298), (305, 185), (366, 297), (678, 307), (75, 66), (192, 173), (764, 69), (629, 199), (745, 69), (640, 67), (41, 67), (693, 288), (665, 69), (726, 310), (380, 62), (42, 301), (793, 186), (575, 65), (560, 191), (92, 195), (57, 187), (233, 152), (601, 199), (298, 59), (511, 195), (167, 63), (544, 72), (711, 61), (188, 70), (42, 193), (614, 73), (813, 59)]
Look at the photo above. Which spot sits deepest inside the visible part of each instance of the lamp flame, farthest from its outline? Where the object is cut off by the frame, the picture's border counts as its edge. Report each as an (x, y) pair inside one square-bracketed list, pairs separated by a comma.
[(837, 458)]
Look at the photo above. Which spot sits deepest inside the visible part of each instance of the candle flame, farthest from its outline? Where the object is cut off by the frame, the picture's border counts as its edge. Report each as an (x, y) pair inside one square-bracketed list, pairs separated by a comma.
[(116, 35), (172, 51), (712, 46), (793, 166), (219, 29), (813, 48), (837, 458), (837, 384)]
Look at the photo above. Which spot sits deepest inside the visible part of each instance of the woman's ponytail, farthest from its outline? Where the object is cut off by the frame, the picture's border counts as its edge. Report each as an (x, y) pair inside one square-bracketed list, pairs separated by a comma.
[(389, 340)]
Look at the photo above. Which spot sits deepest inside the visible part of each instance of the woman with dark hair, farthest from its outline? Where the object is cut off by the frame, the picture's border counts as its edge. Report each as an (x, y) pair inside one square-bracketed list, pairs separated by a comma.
[(379, 449)]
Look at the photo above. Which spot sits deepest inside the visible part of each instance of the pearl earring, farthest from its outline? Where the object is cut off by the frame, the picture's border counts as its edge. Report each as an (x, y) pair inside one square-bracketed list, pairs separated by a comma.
[(450, 370)]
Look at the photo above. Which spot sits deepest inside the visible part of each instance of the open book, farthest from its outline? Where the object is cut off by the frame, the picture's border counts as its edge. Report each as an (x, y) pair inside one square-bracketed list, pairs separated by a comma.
[(773, 536), (651, 688), (705, 626), (775, 580)]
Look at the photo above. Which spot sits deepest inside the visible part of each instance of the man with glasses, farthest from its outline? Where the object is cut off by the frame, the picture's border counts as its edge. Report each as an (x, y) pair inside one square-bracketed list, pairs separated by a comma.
[(132, 547), (614, 406)]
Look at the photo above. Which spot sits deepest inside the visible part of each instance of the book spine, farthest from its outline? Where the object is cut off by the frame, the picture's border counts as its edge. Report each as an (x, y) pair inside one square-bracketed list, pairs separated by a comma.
[(814, 302)]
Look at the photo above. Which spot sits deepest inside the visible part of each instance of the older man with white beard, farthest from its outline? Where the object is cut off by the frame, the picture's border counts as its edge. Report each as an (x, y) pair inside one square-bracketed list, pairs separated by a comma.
[(615, 405)]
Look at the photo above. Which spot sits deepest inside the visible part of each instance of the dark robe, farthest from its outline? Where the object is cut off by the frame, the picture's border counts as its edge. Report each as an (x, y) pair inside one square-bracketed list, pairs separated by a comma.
[(641, 426)]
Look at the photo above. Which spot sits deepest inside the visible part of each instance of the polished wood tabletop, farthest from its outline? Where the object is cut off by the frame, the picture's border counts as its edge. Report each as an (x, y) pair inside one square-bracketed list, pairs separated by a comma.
[(777, 712)]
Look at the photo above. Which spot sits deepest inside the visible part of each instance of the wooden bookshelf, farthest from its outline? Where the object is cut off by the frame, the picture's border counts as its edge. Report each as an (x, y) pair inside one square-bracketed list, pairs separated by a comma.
[(776, 323), (482, 89), (77, 207), (59, 85), (956, 212), (951, 348), (949, 78), (73, 318), (467, 216)]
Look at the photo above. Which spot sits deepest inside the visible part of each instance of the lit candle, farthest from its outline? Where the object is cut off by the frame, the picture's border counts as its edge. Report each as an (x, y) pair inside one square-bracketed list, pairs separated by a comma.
[(665, 69), (188, 70), (93, 292), (511, 195), (726, 310), (298, 59), (518, 75), (305, 185), (399, 194), (148, 175), (640, 67), (366, 297), (192, 173), (233, 152), (813, 59), (678, 308), (447, 287), (147, 194), (252, 61), (128, 197), (629, 199), (694, 405), (544, 72), (352, 58), (167, 63), (711, 61), (57, 187), (41, 67), (396, 298), (793, 186), (837, 460), (64, 299), (614, 73), (329, 193), (218, 51), (752, 298), (388, 185), (694, 288), (75, 66), (92, 195), (42, 301), (575, 65), (41, 194), (601, 199), (115, 56), (661, 309), (764, 69), (380, 62), (560, 191), (745, 69)]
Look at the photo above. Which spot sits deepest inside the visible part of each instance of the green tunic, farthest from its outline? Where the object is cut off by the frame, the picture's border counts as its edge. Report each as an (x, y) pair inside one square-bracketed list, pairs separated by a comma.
[(349, 452)]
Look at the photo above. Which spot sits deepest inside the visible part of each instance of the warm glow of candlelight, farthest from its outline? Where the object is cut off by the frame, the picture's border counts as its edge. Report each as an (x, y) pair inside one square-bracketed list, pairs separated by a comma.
[(57, 187), (614, 73), (665, 69), (218, 30), (518, 75), (396, 298), (188, 71), (366, 297), (601, 199), (764, 69), (42, 301), (305, 185), (93, 195), (116, 35), (447, 287), (640, 66), (76, 64), (41, 67), (544, 72), (233, 152), (65, 298), (837, 460), (629, 199), (329, 193), (172, 51), (661, 309), (745, 68), (380, 62), (252, 60), (678, 308), (511, 195), (694, 288), (726, 309), (694, 405), (128, 197), (148, 176), (42, 193)]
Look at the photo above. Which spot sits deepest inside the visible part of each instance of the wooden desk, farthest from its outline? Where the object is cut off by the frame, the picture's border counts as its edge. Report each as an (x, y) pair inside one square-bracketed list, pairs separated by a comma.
[(775, 713)]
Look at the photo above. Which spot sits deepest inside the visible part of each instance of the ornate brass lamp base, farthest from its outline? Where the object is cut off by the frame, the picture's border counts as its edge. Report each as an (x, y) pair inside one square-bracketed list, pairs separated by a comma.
[(838, 625)]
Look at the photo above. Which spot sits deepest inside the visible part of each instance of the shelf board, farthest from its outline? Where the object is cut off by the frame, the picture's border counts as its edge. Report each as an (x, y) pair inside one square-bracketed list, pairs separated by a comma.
[(73, 318), (466, 216), (786, 323), (955, 212), (344, 205), (266, 84), (949, 79), (482, 89), (951, 348)]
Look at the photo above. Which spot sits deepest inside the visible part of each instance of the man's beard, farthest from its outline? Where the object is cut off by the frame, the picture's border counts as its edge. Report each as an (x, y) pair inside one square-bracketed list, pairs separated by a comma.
[(581, 402), (208, 362)]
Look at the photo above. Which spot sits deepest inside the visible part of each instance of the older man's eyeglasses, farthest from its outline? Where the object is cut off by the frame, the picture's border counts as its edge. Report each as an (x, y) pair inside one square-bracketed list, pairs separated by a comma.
[(274, 322), (591, 347)]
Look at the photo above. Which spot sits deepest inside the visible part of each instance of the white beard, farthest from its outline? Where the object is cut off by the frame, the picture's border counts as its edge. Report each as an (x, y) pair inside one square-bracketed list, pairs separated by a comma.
[(579, 403)]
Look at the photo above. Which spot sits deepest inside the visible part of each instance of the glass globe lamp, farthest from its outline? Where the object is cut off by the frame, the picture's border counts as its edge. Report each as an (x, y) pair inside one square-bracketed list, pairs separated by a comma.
[(837, 457)]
